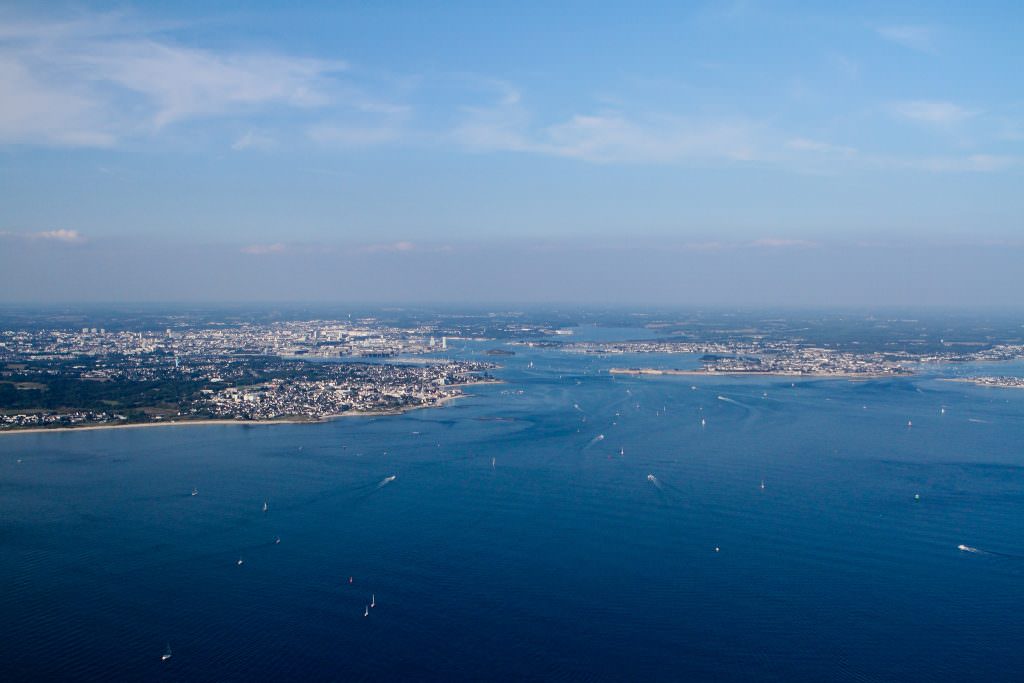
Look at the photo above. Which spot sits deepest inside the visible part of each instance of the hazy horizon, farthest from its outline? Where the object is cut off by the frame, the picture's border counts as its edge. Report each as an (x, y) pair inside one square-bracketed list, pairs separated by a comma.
[(719, 153), (725, 275)]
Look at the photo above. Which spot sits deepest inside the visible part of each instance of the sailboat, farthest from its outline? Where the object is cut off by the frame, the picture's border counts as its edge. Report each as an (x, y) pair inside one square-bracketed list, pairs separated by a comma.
[(240, 562), (195, 491), (762, 484), (266, 505), (166, 655)]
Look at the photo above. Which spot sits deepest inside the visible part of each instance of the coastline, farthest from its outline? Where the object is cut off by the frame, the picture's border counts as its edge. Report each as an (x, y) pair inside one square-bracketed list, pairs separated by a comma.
[(740, 373), (247, 423), (969, 380)]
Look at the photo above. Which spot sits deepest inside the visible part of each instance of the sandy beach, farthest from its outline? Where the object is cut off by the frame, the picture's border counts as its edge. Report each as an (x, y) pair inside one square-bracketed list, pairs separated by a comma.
[(244, 423)]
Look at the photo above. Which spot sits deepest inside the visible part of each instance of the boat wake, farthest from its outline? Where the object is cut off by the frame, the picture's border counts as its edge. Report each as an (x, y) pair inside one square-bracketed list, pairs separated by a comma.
[(596, 439), (654, 480), (991, 553), (387, 480), (729, 400)]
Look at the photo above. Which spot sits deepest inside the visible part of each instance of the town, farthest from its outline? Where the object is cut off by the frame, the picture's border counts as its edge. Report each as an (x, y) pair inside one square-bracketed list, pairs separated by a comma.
[(793, 358), (1002, 382), (294, 371)]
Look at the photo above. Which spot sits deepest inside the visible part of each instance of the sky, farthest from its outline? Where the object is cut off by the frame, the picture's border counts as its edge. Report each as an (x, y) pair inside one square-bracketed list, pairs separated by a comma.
[(711, 153)]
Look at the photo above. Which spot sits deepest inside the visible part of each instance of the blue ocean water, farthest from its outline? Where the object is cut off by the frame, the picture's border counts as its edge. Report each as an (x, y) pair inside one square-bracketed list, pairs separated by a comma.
[(516, 544)]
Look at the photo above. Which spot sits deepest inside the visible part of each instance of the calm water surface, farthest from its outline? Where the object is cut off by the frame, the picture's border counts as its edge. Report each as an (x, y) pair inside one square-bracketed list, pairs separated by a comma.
[(515, 543)]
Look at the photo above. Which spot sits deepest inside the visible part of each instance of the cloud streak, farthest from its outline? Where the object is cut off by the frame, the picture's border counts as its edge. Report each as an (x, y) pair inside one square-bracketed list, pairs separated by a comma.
[(58, 236), (919, 38), (352, 136), (935, 113), (106, 78), (264, 249), (607, 137), (94, 82)]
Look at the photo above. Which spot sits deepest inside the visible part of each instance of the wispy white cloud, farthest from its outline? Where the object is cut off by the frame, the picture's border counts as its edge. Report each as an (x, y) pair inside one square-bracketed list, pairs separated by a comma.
[(846, 66), (608, 136), (325, 248), (394, 246), (264, 249), (252, 139), (353, 136), (962, 163), (99, 79), (182, 82), (708, 245), (971, 163), (780, 243), (96, 80), (60, 236), (612, 137), (721, 245), (401, 247), (825, 148), (920, 38), (34, 111), (931, 112)]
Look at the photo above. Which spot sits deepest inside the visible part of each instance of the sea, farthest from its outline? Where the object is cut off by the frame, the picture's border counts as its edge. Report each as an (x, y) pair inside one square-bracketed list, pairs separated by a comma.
[(566, 524)]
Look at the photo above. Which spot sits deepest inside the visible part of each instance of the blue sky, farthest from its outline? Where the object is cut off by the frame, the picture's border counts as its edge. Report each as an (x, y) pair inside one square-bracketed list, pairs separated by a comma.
[(411, 138)]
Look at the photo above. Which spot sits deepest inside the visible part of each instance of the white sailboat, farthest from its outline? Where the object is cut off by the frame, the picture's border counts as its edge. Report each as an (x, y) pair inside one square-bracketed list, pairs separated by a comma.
[(266, 505), (195, 491)]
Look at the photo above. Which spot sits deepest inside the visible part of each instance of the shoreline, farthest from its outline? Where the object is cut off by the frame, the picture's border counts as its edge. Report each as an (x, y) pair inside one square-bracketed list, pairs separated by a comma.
[(741, 373), (245, 423), (975, 382)]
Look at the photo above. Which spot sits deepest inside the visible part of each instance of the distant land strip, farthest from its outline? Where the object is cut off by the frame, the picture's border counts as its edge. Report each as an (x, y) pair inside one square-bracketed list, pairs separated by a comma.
[(739, 373)]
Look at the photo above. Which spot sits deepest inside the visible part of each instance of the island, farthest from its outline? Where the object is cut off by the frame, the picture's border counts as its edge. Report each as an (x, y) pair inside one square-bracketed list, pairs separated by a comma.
[(1002, 382)]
